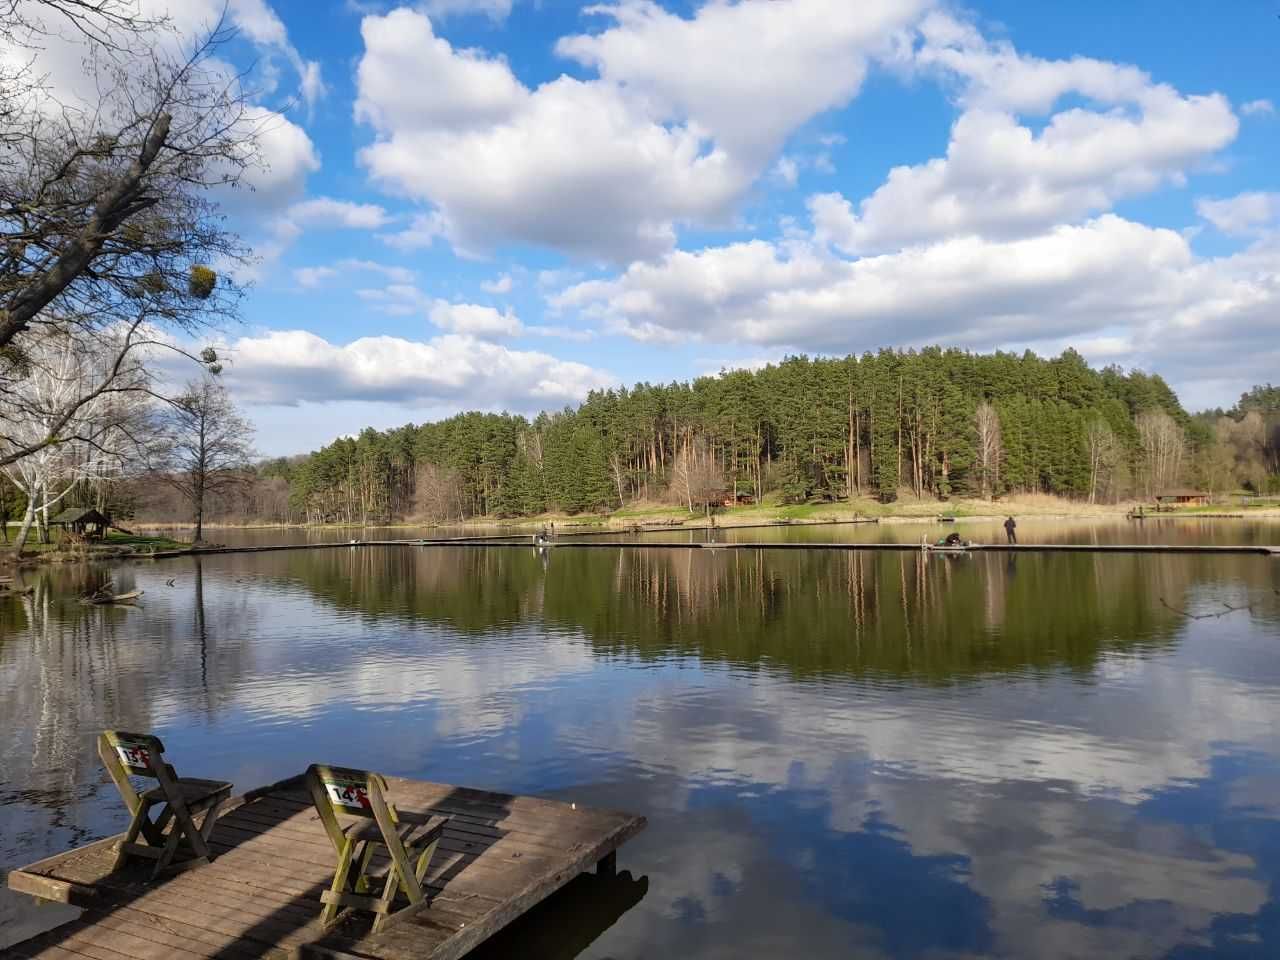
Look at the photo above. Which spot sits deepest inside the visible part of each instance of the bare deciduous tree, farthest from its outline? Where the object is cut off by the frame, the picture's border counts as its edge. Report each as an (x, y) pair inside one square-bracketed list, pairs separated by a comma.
[(437, 494), (990, 451), (205, 445), (1163, 447), (697, 478), (1103, 450), (107, 213), (96, 440)]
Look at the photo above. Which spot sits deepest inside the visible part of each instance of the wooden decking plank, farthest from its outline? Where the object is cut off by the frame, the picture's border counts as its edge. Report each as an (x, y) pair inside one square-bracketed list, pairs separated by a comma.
[(52, 951), (165, 931), (120, 941), (237, 920)]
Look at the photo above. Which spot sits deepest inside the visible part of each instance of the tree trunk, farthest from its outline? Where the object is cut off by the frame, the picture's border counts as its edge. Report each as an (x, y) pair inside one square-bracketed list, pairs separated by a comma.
[(25, 530)]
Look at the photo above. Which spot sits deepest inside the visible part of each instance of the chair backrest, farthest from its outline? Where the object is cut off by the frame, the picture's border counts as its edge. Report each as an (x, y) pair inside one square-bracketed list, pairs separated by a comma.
[(140, 754), (352, 793)]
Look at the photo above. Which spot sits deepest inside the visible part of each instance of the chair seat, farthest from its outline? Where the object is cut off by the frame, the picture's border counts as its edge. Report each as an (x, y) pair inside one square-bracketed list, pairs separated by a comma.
[(415, 829), (194, 791)]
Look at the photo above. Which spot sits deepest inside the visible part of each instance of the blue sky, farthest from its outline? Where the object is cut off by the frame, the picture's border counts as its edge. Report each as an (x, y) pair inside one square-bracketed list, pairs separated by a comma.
[(506, 203)]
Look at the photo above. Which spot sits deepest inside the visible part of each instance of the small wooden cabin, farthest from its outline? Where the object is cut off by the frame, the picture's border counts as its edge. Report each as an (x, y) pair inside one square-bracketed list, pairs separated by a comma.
[(83, 521), (1182, 497)]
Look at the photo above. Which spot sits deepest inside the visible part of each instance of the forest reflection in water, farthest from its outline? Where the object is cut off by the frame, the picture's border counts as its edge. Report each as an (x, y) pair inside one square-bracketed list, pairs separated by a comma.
[(890, 754)]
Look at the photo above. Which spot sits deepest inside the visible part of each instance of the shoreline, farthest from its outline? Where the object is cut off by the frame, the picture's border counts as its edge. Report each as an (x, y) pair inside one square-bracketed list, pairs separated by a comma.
[(759, 517)]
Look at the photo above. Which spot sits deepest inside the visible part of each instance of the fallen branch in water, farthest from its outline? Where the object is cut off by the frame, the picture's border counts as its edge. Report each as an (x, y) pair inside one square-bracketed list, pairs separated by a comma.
[(1206, 616)]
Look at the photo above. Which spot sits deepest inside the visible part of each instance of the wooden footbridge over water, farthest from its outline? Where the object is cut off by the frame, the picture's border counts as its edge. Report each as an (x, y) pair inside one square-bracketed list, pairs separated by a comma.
[(503, 542), (500, 855)]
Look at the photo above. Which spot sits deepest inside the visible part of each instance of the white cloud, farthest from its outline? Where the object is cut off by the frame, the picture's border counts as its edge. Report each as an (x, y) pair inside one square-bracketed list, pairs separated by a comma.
[(1245, 213), (421, 232), (474, 320), (1001, 178), (493, 9), (328, 212), (287, 156), (397, 299), (295, 366), (500, 284), (787, 169), (560, 332), (1108, 281), (258, 22), (312, 277), (1258, 107), (671, 132)]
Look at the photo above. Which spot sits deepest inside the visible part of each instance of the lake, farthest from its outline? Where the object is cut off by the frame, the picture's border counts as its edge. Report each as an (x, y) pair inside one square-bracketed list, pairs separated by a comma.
[(883, 755)]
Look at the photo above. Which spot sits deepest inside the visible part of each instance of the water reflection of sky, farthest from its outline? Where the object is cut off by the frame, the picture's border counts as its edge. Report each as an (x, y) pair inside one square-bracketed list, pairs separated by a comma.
[(1128, 809)]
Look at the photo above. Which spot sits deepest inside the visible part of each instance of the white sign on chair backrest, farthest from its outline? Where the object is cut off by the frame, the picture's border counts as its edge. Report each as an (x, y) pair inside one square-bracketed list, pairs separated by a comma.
[(134, 754), (349, 794)]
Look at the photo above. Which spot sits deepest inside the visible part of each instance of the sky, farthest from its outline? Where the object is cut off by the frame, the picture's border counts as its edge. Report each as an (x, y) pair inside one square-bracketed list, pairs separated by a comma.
[(506, 204)]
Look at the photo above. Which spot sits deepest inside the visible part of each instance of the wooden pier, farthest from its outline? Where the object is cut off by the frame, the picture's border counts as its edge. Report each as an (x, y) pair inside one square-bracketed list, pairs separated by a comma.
[(1264, 550), (500, 856)]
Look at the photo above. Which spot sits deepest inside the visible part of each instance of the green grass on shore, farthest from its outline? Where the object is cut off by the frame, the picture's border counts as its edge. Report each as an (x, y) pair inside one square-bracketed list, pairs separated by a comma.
[(113, 543)]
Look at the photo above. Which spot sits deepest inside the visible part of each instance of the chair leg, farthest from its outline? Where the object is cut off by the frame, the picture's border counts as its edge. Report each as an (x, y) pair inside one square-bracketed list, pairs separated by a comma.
[(389, 890), (184, 828), (424, 860), (166, 855), (207, 824), (135, 827), (339, 884), (365, 858)]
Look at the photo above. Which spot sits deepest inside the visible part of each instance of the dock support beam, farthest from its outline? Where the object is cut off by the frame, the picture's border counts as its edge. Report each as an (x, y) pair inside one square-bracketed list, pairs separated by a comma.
[(608, 867)]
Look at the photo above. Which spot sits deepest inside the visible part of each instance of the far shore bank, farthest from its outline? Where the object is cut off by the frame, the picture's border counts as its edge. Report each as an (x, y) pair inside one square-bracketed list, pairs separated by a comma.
[(659, 516)]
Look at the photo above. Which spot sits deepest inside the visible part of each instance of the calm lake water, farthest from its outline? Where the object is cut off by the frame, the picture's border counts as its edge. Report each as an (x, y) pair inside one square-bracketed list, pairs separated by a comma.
[(840, 754)]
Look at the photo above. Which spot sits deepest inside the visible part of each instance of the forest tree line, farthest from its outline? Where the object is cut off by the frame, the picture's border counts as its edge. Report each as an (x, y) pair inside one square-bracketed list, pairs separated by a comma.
[(930, 423)]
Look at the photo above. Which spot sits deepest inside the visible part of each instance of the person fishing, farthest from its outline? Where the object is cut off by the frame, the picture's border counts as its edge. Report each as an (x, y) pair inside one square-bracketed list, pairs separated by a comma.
[(1010, 526)]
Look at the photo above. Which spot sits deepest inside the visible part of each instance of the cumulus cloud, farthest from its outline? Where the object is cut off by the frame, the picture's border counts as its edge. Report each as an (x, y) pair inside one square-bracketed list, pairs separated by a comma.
[(474, 320), (312, 277), (1243, 214), (257, 21), (328, 212), (396, 299), (295, 366), (1136, 290), (1258, 107), (671, 131), (1000, 177), (493, 9), (500, 284), (288, 157)]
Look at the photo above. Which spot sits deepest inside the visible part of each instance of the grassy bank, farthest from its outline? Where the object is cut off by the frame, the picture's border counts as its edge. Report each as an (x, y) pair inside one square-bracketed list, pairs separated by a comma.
[(115, 545), (865, 508)]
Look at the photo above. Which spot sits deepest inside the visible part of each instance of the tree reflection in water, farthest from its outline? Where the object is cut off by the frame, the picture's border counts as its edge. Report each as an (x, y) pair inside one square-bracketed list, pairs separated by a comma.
[(897, 755)]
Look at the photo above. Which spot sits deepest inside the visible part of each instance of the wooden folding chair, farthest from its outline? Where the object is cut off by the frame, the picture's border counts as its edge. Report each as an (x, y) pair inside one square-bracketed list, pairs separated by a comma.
[(142, 755), (340, 791)]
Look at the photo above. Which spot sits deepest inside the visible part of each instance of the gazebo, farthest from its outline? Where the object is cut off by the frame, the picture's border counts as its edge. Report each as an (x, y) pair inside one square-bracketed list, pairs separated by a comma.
[(85, 521)]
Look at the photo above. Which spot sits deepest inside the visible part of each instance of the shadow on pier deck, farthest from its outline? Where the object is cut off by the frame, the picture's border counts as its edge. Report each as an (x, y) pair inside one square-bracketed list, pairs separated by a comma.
[(501, 855)]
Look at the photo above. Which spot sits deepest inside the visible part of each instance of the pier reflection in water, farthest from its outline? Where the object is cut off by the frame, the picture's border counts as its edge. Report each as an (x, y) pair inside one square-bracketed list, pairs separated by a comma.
[(894, 755)]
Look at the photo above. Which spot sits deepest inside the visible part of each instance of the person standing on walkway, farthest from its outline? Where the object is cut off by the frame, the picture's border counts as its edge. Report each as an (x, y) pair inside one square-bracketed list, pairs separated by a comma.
[(1010, 526)]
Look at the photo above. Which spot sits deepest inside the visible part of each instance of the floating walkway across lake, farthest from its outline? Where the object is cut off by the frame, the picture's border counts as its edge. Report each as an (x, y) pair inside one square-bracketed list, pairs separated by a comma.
[(559, 544), (260, 897)]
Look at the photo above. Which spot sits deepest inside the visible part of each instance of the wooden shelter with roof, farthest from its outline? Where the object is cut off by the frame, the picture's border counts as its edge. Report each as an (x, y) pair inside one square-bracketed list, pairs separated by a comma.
[(84, 521), (1182, 497)]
